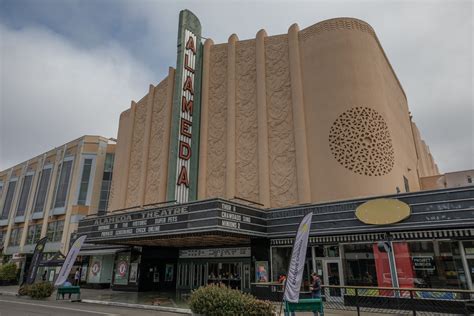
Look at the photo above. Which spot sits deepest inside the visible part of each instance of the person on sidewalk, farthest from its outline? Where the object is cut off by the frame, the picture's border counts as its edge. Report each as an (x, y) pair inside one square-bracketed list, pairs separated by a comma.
[(77, 277), (315, 289)]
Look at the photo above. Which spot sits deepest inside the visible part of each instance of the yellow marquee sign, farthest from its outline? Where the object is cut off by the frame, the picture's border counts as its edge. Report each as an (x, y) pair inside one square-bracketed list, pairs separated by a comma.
[(382, 212)]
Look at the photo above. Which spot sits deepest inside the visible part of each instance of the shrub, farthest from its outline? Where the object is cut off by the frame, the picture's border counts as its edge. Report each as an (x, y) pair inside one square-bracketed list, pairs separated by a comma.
[(8, 272), (40, 290), (220, 300)]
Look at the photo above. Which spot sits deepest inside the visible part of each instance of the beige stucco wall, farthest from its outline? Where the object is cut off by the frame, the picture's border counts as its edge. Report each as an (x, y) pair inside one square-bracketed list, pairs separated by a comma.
[(274, 112), (140, 167), (426, 165)]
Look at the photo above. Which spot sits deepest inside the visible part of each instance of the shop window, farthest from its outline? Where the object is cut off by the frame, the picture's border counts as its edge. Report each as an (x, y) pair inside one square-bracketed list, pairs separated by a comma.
[(15, 237), (34, 234), (55, 231), (428, 264), (360, 265), (281, 259), (228, 274)]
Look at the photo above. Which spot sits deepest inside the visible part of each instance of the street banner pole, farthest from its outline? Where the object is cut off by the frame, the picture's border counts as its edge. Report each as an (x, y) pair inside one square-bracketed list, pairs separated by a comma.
[(69, 261), (297, 261), (36, 260)]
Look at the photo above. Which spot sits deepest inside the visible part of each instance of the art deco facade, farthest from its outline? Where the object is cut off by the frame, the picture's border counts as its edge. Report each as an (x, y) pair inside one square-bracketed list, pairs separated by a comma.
[(312, 115)]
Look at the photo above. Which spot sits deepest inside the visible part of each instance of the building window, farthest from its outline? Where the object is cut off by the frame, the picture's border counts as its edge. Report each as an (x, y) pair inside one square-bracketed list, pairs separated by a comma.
[(362, 267), (428, 264), (83, 188), (55, 231), (469, 179), (34, 234), (407, 184), (281, 259), (25, 193), (15, 237), (42, 191), (8, 199), (106, 184), (63, 184), (1, 190)]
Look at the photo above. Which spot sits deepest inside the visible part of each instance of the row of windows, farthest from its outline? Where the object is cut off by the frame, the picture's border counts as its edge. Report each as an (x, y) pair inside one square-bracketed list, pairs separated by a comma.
[(62, 187), (54, 233), (61, 190)]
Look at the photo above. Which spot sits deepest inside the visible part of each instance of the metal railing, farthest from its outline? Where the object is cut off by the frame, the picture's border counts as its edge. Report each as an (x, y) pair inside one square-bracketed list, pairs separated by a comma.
[(387, 300)]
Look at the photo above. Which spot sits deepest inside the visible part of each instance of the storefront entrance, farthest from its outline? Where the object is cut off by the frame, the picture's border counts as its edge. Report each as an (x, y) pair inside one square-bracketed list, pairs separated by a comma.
[(227, 266), (330, 272), (234, 274)]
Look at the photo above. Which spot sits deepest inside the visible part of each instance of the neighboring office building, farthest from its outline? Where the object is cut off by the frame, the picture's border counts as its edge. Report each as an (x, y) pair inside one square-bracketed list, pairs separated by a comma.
[(280, 124), (448, 180), (48, 195)]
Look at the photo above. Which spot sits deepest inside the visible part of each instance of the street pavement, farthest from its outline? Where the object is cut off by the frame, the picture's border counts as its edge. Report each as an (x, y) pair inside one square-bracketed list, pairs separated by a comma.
[(17, 306)]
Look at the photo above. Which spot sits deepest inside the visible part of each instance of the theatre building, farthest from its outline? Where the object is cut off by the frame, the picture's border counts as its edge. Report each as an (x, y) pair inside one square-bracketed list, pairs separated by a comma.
[(216, 165)]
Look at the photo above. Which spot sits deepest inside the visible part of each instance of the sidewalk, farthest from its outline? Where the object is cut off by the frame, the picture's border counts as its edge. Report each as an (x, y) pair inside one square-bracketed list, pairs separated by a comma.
[(168, 302)]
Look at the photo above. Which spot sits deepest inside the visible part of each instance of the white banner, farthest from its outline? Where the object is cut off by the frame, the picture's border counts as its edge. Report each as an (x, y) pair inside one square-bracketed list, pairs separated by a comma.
[(70, 259), (297, 262)]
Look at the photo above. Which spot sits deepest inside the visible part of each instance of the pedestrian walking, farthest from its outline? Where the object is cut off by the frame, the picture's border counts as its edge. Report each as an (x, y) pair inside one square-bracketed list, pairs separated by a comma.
[(77, 277)]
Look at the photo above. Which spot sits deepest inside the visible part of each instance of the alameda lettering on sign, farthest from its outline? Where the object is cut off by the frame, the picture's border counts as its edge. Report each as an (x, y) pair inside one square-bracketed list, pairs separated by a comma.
[(184, 146)]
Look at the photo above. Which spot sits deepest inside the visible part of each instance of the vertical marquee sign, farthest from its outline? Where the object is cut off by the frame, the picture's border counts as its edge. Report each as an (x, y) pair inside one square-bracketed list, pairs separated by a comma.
[(184, 144)]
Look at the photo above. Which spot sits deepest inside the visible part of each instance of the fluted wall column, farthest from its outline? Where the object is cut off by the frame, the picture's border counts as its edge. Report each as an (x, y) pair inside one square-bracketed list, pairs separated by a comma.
[(126, 161), (146, 144), (263, 167), (166, 136), (302, 166), (202, 176), (230, 164)]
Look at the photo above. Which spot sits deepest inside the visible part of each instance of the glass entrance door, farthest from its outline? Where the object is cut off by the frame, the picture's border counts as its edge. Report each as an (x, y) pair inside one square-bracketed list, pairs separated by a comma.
[(330, 272), (332, 276)]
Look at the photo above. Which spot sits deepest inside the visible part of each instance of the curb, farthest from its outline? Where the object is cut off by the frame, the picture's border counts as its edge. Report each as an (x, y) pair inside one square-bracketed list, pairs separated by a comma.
[(8, 293), (149, 307)]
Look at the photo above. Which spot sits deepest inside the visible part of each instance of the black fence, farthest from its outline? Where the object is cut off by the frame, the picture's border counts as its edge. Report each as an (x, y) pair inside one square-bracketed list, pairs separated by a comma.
[(400, 301)]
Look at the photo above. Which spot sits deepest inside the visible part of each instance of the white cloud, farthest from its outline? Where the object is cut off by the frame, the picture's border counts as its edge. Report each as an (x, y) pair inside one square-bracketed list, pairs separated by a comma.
[(53, 92)]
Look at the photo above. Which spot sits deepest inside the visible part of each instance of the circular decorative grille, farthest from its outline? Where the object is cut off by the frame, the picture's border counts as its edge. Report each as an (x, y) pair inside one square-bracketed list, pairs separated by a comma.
[(360, 140)]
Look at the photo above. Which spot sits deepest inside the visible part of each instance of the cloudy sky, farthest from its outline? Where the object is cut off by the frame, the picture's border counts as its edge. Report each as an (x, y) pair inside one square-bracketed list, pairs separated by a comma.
[(68, 68)]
